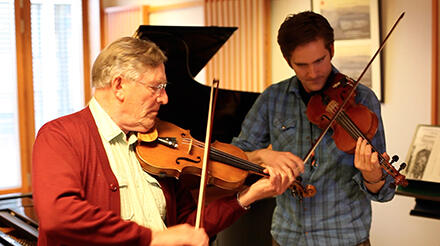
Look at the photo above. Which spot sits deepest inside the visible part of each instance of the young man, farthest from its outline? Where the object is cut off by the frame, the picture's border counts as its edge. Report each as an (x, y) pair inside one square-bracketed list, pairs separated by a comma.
[(340, 212), (89, 188)]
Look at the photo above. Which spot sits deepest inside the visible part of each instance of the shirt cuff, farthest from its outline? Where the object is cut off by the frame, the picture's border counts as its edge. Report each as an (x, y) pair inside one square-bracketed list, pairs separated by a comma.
[(241, 205), (386, 193)]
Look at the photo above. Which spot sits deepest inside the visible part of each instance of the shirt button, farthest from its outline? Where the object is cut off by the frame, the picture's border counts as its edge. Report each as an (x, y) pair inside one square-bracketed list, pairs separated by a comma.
[(113, 187)]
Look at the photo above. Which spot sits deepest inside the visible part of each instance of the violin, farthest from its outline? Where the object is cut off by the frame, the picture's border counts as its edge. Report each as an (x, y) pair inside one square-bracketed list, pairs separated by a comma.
[(170, 151), (353, 121)]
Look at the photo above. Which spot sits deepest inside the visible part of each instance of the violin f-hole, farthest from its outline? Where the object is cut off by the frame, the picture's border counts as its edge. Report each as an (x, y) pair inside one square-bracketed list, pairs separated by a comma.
[(188, 159)]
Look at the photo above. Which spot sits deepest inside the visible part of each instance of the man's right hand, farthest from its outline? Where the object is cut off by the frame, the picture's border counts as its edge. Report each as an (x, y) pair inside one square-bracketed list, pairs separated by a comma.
[(277, 159), (184, 235)]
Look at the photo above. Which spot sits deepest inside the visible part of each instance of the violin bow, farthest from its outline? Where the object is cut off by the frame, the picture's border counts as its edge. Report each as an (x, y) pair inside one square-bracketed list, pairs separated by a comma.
[(335, 116), (206, 150)]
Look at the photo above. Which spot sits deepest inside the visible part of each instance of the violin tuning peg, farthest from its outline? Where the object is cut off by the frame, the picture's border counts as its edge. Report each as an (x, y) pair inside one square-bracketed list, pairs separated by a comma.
[(402, 166), (299, 178), (296, 194), (394, 159)]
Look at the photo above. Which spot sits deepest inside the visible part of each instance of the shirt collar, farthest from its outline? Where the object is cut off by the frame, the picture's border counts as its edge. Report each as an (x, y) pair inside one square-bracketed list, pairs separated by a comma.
[(106, 126)]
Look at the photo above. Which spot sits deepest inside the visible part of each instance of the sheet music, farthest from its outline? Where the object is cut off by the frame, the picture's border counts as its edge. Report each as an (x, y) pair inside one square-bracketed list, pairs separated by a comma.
[(423, 157)]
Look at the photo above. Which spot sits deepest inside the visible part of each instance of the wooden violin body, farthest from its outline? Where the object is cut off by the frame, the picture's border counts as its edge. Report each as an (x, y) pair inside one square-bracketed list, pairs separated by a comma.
[(183, 155), (322, 107), (353, 121), (175, 153)]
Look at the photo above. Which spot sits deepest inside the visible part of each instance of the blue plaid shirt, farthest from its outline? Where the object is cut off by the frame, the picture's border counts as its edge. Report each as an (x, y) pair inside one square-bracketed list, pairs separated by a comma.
[(340, 212)]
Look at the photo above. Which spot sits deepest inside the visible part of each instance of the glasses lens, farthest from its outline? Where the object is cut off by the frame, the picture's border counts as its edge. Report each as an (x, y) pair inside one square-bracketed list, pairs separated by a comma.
[(159, 88)]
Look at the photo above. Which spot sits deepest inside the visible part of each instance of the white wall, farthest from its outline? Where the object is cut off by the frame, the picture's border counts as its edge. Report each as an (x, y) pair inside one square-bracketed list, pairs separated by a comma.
[(110, 3), (280, 9), (407, 102), (189, 16), (407, 78)]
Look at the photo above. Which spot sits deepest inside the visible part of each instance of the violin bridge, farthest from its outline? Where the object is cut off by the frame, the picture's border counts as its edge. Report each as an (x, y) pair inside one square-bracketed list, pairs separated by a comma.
[(335, 85), (190, 146), (332, 107)]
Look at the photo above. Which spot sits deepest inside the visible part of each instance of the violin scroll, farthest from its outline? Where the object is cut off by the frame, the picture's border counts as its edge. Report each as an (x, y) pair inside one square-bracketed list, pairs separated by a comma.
[(297, 190), (399, 179)]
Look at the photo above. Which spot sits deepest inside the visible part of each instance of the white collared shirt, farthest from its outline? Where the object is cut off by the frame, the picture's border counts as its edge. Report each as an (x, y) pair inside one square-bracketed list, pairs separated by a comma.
[(142, 199)]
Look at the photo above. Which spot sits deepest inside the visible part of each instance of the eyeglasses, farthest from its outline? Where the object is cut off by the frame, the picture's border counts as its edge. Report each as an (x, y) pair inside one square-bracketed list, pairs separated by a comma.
[(157, 89)]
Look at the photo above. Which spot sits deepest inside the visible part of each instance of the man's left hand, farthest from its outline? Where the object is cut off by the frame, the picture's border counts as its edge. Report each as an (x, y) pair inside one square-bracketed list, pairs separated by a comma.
[(368, 163)]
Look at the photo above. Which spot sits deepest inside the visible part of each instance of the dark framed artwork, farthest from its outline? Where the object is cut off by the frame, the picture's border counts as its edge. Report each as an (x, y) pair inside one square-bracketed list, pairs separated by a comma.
[(357, 37)]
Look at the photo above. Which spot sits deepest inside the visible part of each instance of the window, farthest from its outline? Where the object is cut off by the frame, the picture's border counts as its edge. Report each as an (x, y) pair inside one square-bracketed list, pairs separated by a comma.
[(54, 77), (56, 58), (10, 171)]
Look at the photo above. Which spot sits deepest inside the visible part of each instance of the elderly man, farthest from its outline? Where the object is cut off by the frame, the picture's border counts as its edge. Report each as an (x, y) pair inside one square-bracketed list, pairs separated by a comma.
[(89, 188)]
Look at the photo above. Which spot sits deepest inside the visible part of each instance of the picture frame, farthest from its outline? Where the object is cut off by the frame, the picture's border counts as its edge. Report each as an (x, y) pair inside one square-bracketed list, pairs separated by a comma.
[(423, 158), (357, 37)]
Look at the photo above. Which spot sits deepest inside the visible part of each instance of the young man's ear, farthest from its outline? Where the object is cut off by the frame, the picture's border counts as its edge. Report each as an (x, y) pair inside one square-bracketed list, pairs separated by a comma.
[(288, 61), (332, 50)]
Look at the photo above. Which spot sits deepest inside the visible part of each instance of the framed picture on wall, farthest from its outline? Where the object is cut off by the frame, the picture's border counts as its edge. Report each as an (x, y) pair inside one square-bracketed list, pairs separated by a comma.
[(357, 37)]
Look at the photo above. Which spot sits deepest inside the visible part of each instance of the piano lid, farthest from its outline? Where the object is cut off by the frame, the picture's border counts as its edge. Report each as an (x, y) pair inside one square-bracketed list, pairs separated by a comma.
[(188, 50), (193, 45)]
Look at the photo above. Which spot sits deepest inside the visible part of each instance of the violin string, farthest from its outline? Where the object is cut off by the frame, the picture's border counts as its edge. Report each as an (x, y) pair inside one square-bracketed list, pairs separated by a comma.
[(233, 160), (348, 124), (354, 131), (351, 128), (247, 165)]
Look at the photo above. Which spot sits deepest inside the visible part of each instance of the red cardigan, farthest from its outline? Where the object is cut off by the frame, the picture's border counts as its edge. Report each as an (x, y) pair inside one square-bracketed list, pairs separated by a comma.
[(77, 198)]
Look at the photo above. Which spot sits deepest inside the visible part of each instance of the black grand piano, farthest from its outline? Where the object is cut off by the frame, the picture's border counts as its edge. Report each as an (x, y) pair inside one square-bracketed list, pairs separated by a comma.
[(188, 50)]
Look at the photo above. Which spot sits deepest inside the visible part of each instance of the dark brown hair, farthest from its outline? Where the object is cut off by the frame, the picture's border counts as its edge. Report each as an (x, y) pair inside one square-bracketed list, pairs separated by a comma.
[(302, 28)]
